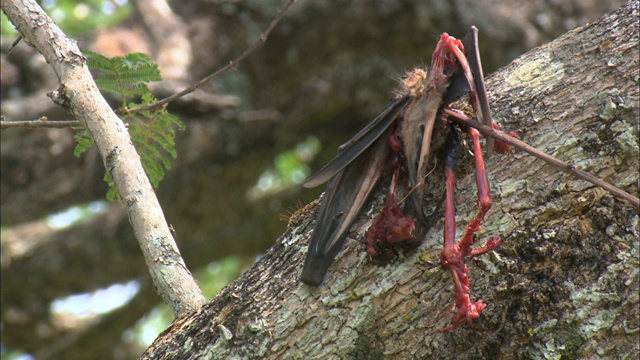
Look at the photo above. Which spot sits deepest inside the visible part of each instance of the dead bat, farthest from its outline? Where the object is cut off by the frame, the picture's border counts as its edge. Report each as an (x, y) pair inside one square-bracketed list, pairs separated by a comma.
[(401, 138), (415, 125)]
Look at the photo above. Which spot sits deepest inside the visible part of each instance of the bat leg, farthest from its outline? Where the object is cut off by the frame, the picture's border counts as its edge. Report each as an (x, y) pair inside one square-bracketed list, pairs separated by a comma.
[(484, 204), (453, 255)]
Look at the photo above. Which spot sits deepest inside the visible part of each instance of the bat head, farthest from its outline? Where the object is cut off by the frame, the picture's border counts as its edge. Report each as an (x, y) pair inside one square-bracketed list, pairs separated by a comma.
[(413, 83)]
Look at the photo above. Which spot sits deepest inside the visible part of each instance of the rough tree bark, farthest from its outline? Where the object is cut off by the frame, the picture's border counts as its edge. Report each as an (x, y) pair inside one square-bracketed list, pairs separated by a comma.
[(563, 283)]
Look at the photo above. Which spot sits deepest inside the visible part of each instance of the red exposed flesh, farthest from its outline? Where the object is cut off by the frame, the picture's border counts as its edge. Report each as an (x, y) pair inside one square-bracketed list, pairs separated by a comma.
[(392, 224), (501, 147), (444, 59)]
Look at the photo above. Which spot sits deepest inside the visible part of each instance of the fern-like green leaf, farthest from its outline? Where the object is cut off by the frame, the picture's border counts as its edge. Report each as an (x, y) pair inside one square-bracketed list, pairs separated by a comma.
[(97, 61), (122, 74), (152, 132)]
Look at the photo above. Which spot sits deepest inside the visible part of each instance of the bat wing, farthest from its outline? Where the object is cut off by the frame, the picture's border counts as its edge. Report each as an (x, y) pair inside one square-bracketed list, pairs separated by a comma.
[(342, 202), (359, 143)]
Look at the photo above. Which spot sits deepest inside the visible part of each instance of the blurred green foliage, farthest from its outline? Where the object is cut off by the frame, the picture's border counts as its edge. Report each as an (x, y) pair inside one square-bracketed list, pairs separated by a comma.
[(79, 17), (289, 169)]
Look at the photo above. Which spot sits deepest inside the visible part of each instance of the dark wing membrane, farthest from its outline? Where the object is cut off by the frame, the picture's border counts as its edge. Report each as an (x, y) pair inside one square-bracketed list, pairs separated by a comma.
[(359, 143), (459, 86), (342, 202)]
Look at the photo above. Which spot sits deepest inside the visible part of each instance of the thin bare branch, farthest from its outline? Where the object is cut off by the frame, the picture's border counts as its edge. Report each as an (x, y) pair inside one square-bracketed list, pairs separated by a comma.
[(232, 65), (564, 166), (33, 124)]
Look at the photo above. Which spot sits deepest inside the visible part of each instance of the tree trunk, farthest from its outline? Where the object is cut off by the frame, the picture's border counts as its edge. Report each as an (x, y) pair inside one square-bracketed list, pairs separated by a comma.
[(564, 282)]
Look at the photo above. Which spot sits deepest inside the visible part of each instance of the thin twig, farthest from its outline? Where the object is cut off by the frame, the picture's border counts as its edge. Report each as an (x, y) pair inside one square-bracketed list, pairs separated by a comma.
[(564, 166), (32, 124), (14, 44), (232, 65)]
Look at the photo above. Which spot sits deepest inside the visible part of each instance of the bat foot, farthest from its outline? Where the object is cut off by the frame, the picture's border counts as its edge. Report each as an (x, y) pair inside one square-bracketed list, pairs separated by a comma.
[(453, 258)]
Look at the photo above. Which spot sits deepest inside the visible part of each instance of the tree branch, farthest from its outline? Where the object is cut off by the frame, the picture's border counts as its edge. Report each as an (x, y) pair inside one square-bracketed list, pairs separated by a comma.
[(40, 123), (79, 94)]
